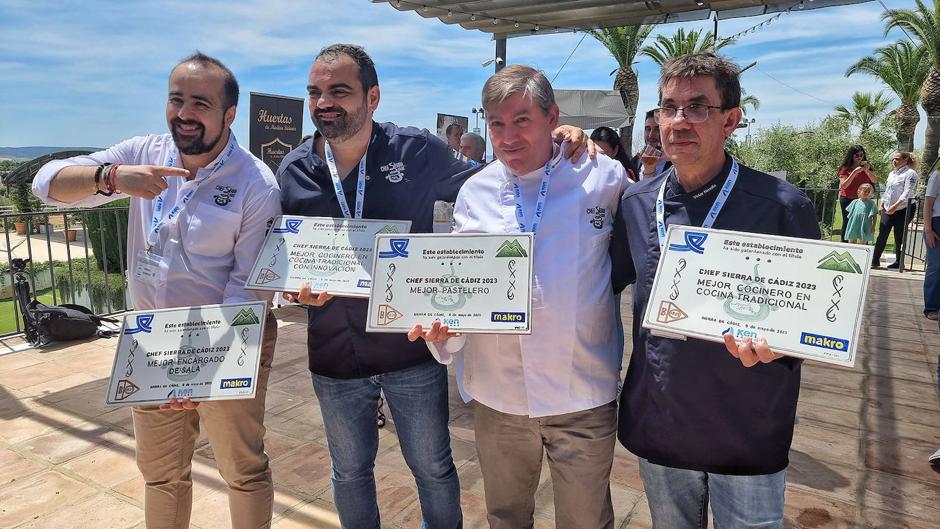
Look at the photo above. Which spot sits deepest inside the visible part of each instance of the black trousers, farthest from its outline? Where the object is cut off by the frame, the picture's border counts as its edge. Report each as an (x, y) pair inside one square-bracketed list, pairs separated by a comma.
[(896, 222), (844, 204)]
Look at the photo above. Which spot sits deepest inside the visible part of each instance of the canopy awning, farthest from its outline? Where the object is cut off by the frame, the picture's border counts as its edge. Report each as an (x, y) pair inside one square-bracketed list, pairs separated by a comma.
[(517, 18), (590, 109)]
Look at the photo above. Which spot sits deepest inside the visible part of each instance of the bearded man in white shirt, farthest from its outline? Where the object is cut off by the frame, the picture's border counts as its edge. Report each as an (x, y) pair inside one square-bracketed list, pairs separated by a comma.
[(199, 254), (554, 390)]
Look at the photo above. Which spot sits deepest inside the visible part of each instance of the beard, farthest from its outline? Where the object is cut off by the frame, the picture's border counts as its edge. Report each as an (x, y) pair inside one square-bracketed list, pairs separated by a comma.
[(344, 126), (196, 144)]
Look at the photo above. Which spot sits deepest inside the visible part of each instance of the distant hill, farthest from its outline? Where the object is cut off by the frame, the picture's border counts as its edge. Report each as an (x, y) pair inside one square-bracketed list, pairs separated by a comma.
[(28, 153)]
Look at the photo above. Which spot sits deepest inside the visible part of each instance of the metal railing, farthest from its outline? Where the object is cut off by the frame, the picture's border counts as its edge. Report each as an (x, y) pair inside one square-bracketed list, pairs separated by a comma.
[(63, 270)]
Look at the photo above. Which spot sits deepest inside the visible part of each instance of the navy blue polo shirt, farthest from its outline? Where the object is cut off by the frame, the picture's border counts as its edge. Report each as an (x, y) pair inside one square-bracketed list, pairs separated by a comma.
[(407, 170), (690, 404)]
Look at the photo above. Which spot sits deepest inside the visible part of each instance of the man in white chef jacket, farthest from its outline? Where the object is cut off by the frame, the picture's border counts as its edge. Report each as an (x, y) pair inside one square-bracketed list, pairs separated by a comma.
[(554, 390)]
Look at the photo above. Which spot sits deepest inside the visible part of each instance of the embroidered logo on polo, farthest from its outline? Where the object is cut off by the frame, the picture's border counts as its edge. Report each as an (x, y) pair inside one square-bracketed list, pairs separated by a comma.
[(394, 172), (597, 215), (226, 193)]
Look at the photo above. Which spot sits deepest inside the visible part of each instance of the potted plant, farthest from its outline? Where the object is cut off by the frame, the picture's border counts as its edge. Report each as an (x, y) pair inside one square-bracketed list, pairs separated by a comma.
[(42, 224), (74, 224)]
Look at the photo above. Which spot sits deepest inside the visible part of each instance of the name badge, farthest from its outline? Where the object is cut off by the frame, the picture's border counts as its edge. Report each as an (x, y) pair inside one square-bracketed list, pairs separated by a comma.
[(148, 267)]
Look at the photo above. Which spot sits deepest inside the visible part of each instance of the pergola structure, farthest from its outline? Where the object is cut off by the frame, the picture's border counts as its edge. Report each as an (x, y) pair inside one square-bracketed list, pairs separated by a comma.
[(519, 18)]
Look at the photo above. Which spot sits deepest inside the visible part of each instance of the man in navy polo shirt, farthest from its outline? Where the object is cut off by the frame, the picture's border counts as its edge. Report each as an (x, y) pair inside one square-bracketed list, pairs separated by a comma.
[(395, 173), (707, 425)]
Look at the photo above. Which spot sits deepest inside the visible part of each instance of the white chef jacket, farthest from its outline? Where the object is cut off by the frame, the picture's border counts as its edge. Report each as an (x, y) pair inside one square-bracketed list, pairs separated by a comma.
[(569, 362), (208, 253)]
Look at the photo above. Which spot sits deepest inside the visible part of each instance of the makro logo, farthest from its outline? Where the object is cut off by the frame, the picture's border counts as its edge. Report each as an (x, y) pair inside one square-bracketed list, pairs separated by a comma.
[(694, 242), (826, 342), (143, 324), (399, 248), (364, 283), (235, 383), (509, 317)]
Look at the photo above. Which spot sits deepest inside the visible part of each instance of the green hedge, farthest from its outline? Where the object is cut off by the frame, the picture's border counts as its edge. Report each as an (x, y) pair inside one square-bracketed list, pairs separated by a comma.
[(111, 225)]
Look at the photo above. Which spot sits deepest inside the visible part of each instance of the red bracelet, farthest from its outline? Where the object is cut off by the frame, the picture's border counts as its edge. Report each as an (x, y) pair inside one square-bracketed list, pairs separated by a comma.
[(112, 178)]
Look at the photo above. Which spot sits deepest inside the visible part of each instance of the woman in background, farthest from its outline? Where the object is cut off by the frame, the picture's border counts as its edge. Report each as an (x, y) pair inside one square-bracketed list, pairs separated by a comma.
[(854, 171), (608, 141)]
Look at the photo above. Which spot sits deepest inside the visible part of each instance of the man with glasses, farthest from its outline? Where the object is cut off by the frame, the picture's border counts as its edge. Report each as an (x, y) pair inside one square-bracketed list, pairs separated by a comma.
[(707, 425)]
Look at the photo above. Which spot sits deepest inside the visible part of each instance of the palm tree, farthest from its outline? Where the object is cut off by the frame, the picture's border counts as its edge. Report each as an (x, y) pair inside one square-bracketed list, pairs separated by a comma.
[(682, 43), (748, 101), (867, 109), (924, 24), (903, 67), (624, 43)]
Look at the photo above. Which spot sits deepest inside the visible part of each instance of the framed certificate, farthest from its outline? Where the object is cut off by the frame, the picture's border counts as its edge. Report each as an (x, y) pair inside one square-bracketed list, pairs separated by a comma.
[(804, 296), (331, 254), (474, 283), (210, 352)]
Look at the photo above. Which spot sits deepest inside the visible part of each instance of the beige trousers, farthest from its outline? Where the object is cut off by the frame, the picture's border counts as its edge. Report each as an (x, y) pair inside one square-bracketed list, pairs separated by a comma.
[(166, 441), (580, 450)]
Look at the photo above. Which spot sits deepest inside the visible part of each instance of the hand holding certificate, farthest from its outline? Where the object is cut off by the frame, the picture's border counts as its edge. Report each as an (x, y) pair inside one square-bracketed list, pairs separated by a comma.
[(468, 282), (804, 297), (210, 352)]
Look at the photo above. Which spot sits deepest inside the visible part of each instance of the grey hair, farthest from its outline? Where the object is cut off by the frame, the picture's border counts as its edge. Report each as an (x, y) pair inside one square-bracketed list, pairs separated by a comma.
[(476, 139), (724, 72), (517, 78)]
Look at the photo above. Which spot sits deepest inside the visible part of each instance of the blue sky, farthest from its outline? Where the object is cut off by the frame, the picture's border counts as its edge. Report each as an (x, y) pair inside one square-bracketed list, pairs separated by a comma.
[(93, 73)]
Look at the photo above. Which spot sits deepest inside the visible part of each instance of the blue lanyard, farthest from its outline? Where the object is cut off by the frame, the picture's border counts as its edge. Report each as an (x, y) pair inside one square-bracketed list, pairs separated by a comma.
[(338, 184), (158, 222), (539, 203), (720, 201)]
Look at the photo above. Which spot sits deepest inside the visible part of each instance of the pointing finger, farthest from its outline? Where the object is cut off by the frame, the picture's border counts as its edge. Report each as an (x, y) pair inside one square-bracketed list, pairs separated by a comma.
[(159, 170)]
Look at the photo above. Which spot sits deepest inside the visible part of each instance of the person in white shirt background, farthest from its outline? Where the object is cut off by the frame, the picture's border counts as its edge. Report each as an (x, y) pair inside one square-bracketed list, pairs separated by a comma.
[(899, 190), (199, 208), (554, 390)]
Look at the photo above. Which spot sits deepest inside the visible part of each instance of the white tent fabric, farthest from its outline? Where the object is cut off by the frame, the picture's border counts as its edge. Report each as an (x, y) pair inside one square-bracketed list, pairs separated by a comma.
[(589, 109)]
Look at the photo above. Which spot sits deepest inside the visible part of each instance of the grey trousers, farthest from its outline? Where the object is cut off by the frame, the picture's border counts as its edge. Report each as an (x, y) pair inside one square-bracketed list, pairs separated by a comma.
[(580, 450)]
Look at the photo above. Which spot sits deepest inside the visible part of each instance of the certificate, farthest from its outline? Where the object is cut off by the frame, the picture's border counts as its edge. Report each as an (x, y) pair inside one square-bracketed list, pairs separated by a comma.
[(331, 254), (210, 352), (474, 283), (804, 296)]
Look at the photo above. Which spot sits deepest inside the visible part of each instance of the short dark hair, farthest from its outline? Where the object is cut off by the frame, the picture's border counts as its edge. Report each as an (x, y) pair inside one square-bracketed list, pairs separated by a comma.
[(367, 75), (230, 84), (724, 72), (649, 114)]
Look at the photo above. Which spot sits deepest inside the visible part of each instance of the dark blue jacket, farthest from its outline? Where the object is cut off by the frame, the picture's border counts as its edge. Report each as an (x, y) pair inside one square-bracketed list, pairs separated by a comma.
[(407, 169), (690, 404)]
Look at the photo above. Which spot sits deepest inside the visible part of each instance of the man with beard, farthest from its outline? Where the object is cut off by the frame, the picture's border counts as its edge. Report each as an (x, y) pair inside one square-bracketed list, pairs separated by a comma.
[(199, 207), (355, 167)]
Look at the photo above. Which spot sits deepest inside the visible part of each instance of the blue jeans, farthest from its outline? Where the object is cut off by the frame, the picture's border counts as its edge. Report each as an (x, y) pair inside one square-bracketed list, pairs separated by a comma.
[(678, 498), (417, 399), (932, 276)]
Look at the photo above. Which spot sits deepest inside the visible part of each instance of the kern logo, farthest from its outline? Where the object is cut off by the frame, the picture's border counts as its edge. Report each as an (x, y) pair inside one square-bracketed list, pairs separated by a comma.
[(388, 314), (266, 275), (839, 262), (144, 321), (245, 316), (511, 249), (399, 248), (670, 312), (290, 226), (694, 242), (125, 388), (739, 333), (235, 383), (180, 393), (826, 342)]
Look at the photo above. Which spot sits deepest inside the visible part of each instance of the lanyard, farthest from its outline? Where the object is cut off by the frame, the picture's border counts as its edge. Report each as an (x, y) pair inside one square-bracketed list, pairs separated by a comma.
[(338, 184), (539, 204), (712, 213), (158, 222)]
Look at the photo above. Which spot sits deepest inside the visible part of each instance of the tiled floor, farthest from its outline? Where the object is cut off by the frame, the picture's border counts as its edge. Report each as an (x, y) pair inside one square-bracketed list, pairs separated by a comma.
[(858, 458)]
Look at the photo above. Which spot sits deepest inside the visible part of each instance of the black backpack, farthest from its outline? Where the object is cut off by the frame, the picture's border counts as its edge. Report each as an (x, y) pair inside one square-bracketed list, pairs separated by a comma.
[(65, 322)]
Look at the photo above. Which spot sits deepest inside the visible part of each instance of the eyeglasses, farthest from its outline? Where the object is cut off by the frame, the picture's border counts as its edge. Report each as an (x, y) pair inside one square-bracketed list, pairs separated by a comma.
[(694, 113)]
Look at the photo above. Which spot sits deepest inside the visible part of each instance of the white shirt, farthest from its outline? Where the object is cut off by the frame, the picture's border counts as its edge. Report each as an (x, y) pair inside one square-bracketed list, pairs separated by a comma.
[(933, 190), (900, 184), (569, 362), (208, 253)]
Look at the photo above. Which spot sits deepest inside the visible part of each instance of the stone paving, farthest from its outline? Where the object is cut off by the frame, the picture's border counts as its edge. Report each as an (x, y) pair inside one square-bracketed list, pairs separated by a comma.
[(858, 458)]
